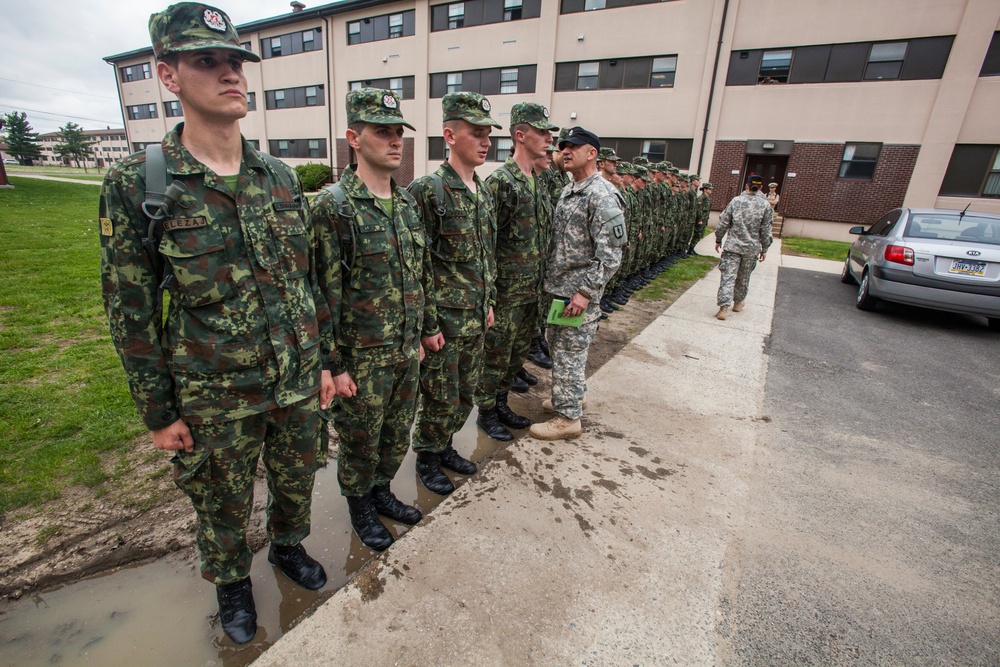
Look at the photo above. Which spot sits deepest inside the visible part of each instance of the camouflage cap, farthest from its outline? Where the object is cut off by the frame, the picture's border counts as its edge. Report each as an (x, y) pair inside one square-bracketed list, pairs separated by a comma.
[(562, 134), (533, 114), (623, 168), (374, 105), (471, 107), (608, 155), (706, 186), (640, 160), (642, 172), (695, 177), (192, 26), (674, 170), (552, 149)]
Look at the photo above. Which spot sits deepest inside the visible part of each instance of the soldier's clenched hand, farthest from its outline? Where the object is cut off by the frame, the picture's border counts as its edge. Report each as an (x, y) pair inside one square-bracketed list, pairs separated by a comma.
[(433, 343), (175, 436), (490, 318), (327, 390), (344, 385)]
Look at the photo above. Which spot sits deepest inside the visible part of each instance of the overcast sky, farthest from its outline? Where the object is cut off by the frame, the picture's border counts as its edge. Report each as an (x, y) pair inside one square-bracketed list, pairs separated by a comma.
[(51, 54)]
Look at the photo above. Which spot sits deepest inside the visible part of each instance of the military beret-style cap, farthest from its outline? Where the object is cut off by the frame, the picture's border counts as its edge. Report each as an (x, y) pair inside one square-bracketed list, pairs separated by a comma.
[(579, 136), (533, 114), (608, 155), (470, 107), (374, 105), (706, 186), (192, 26)]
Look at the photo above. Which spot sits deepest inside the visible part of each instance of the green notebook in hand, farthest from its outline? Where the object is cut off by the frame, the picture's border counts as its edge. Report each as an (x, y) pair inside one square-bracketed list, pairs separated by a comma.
[(556, 315)]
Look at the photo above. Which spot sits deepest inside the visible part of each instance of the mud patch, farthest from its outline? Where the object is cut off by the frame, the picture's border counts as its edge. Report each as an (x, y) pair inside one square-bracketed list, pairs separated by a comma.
[(369, 583), (585, 525), (642, 453)]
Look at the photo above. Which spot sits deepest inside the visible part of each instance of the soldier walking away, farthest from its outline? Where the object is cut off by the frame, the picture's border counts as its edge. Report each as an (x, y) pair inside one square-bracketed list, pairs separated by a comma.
[(746, 224), (374, 269), (588, 231), (522, 211), (458, 218), (235, 371)]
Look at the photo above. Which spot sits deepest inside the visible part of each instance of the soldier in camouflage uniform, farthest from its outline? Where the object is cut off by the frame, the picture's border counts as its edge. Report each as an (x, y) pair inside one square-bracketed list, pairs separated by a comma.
[(236, 369), (460, 223), (703, 212), (374, 267), (746, 224), (547, 178), (522, 209), (588, 233)]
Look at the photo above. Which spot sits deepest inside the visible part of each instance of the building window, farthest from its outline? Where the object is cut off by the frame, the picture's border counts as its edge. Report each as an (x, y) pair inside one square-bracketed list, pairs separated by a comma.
[(354, 32), (991, 63), (505, 148), (396, 86), (663, 72), (314, 150), (974, 171), (136, 72), (251, 101), (246, 45), (992, 186), (255, 143), (885, 61), (401, 85), (859, 161), (291, 98), (308, 40), (594, 4), (172, 109), (140, 145), (512, 9), (310, 96), (455, 82), (587, 76), (775, 66), (654, 150), (508, 81), (142, 111), (456, 15), (395, 26), (292, 43), (279, 100), (298, 148)]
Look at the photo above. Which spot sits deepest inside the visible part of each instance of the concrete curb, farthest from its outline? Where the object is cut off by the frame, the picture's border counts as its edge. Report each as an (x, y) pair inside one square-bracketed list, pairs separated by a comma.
[(606, 549)]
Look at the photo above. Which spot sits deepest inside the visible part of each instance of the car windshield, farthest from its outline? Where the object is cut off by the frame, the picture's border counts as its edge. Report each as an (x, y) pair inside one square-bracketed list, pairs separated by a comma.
[(947, 227)]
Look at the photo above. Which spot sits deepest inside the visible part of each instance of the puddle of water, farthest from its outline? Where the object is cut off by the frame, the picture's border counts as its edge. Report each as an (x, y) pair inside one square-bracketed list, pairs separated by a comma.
[(163, 614)]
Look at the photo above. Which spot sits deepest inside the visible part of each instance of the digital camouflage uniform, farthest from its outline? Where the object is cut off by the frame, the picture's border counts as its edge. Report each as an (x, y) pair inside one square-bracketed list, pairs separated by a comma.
[(522, 213), (239, 355), (746, 225), (460, 232), (377, 301), (588, 232)]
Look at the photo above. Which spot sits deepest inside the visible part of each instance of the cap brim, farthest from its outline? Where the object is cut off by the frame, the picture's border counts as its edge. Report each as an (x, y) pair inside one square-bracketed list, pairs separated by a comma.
[(484, 121), (543, 125), (387, 120), (205, 44)]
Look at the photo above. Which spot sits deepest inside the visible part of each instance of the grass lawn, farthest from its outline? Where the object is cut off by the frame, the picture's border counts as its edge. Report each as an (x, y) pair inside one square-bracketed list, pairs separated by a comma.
[(65, 407), (680, 275), (835, 250)]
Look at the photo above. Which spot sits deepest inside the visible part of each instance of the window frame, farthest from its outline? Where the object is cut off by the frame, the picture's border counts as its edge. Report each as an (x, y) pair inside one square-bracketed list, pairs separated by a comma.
[(450, 82), (776, 76), (456, 20), (870, 73), (849, 166), (509, 82), (170, 106), (393, 33), (507, 148), (251, 100), (509, 7), (672, 72), (596, 76), (355, 34)]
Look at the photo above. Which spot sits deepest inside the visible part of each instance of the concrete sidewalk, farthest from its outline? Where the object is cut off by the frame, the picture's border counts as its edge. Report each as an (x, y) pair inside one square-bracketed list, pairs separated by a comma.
[(602, 550)]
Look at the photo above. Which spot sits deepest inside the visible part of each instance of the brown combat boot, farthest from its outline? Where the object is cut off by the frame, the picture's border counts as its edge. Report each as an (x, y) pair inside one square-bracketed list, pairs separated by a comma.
[(557, 428), (723, 313), (738, 306)]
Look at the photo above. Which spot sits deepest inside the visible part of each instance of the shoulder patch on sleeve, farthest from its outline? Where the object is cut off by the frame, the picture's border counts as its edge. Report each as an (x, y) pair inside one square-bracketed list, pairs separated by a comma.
[(614, 220), (107, 227)]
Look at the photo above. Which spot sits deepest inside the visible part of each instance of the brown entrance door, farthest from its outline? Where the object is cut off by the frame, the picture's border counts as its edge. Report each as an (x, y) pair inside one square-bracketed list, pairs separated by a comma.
[(769, 167)]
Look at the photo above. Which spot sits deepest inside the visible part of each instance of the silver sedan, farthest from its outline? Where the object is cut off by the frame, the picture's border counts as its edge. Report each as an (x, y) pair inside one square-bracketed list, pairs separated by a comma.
[(933, 258)]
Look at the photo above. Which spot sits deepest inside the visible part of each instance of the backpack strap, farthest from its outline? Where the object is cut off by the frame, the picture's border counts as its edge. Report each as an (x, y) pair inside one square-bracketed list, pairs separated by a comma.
[(157, 201), (345, 218)]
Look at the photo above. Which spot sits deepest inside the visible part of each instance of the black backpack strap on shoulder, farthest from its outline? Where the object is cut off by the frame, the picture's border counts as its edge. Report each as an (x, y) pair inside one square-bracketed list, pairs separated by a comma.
[(345, 219), (511, 202), (280, 170), (436, 200), (157, 202)]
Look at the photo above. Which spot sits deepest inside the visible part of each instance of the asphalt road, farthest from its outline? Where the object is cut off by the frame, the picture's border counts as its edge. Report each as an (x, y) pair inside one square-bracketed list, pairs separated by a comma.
[(873, 527)]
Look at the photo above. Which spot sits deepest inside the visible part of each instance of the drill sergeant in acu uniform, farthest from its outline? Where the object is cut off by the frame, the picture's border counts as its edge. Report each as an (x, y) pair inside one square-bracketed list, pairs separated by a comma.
[(374, 269), (746, 225), (458, 216), (237, 366), (522, 209)]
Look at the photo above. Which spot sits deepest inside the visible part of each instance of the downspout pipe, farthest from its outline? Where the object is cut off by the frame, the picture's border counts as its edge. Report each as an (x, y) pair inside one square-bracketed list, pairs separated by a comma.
[(711, 90)]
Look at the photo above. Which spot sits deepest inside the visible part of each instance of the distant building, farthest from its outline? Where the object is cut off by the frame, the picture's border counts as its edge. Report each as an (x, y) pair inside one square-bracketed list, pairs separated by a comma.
[(852, 107), (110, 146)]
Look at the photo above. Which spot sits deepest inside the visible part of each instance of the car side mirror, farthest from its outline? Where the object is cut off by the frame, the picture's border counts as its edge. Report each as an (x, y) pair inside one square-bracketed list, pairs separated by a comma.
[(859, 230)]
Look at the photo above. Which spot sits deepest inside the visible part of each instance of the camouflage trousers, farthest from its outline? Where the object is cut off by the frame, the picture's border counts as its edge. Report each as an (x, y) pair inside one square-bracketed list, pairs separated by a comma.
[(569, 347), (506, 348), (697, 233), (735, 283), (374, 425), (218, 477), (448, 380)]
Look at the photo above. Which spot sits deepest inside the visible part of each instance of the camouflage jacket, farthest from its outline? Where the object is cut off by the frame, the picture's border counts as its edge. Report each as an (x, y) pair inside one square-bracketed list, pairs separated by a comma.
[(374, 275), (247, 329), (522, 218), (588, 231), (746, 224), (461, 243), (554, 181), (704, 208)]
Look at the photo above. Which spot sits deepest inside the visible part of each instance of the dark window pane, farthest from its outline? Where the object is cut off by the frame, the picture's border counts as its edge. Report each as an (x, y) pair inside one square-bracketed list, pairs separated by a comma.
[(381, 27), (809, 64), (878, 71), (526, 78), (435, 148), (743, 68), (926, 58), (967, 170), (565, 76), (991, 64), (847, 62), (637, 71), (612, 74)]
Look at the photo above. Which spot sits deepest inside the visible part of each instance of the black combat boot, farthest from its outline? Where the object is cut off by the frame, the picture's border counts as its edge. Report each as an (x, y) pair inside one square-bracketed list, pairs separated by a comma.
[(452, 460), (691, 252), (237, 613), (527, 377), (430, 473), (297, 565), (538, 353), (519, 385), (508, 417), (387, 504), (491, 425), (366, 525), (618, 296), (606, 305)]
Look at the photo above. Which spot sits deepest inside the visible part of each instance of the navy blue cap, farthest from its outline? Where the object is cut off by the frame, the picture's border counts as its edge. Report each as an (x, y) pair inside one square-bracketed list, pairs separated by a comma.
[(579, 136)]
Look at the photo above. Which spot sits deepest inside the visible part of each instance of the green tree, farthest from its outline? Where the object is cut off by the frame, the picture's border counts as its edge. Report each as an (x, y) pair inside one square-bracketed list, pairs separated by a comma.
[(75, 144), (22, 140)]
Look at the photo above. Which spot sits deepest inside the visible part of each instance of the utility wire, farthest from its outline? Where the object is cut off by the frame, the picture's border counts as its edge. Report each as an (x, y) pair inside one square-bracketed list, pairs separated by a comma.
[(60, 115), (61, 90)]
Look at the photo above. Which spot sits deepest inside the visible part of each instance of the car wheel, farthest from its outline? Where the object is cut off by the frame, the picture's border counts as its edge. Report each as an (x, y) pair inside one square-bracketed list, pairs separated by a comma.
[(865, 300), (845, 273), (994, 323)]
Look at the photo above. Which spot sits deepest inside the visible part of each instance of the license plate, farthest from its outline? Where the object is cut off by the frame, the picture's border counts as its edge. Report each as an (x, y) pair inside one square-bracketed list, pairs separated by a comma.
[(967, 267)]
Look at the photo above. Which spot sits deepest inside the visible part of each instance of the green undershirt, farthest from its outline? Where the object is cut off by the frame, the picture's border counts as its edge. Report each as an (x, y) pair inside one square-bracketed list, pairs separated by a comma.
[(387, 205), (231, 181)]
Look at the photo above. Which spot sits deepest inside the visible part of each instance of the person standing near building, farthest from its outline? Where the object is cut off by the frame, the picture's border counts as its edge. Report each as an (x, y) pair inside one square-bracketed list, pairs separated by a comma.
[(235, 372), (704, 212), (522, 211), (772, 196), (588, 231), (746, 225), (374, 268), (460, 223)]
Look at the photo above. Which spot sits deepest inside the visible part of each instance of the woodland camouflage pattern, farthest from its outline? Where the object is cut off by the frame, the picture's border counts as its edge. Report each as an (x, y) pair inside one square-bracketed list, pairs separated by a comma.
[(218, 357), (191, 26)]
